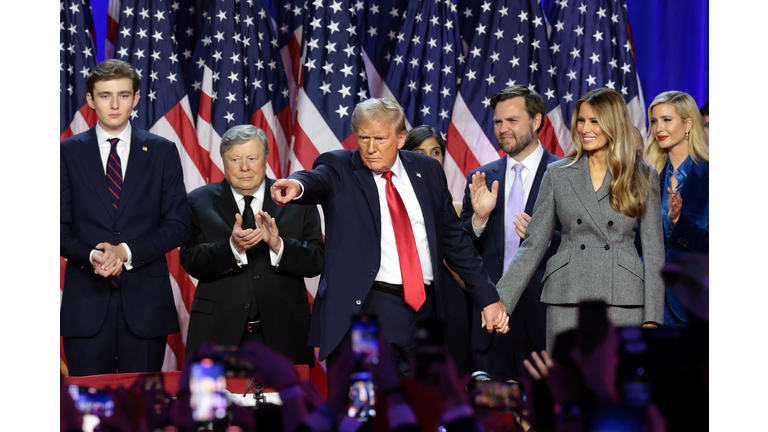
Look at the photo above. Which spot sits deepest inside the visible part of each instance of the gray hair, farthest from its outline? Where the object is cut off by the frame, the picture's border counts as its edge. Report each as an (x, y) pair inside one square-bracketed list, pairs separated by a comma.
[(241, 134), (382, 110)]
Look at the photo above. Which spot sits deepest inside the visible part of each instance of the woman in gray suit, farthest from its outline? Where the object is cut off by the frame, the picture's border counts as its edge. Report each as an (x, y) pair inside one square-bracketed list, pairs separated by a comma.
[(599, 194)]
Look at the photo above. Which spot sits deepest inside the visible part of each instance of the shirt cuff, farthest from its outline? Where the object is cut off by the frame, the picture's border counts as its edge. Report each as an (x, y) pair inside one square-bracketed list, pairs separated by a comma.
[(399, 415), (456, 413), (302, 189), (478, 231), (128, 264), (90, 258), (242, 259), (275, 257)]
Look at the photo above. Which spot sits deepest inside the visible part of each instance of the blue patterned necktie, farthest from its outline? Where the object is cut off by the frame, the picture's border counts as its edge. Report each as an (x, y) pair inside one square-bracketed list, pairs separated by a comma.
[(114, 173)]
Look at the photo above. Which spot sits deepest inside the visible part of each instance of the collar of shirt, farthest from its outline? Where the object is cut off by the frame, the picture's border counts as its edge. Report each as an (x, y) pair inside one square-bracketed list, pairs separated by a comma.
[(681, 174), (123, 146), (258, 198), (531, 164)]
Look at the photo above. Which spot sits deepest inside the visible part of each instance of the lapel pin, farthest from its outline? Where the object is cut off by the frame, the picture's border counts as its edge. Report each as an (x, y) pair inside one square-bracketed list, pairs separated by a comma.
[(418, 174), (144, 148)]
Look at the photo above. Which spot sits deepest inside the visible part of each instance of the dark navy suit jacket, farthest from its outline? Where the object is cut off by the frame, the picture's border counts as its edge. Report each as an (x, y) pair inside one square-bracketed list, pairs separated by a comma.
[(691, 232), (344, 186), (491, 246), (152, 218)]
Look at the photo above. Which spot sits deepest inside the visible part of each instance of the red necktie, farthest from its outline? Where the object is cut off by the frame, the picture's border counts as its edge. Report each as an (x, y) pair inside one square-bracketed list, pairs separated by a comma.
[(410, 266)]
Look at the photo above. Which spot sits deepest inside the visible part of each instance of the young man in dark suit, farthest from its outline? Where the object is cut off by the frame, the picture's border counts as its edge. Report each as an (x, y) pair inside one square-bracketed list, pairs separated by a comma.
[(123, 206), (498, 202), (250, 255)]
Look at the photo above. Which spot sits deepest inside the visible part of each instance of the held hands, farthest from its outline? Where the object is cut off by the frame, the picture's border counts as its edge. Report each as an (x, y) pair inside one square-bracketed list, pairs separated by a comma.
[(483, 200), (283, 191), (675, 203), (495, 317), (521, 224), (268, 227), (108, 259), (244, 239)]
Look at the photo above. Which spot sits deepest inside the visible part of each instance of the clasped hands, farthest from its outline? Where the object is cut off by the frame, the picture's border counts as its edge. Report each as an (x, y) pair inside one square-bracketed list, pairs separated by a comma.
[(484, 201), (108, 259), (267, 231)]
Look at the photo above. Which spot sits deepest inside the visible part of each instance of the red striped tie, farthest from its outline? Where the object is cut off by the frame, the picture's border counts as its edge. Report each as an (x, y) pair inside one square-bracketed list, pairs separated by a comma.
[(114, 183), (410, 266), (114, 173)]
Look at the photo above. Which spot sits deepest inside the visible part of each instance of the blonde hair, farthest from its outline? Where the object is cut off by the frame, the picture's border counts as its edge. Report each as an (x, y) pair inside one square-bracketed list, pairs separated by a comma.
[(686, 108), (630, 186), (383, 109)]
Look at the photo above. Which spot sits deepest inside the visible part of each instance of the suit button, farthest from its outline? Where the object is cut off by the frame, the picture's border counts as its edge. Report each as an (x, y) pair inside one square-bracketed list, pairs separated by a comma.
[(578, 221), (607, 247), (583, 247), (610, 223), (358, 302), (373, 272), (117, 233), (247, 305)]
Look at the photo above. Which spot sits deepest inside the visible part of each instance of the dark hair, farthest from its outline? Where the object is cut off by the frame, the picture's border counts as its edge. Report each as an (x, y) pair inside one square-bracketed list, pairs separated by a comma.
[(112, 69), (419, 134), (704, 109), (534, 104)]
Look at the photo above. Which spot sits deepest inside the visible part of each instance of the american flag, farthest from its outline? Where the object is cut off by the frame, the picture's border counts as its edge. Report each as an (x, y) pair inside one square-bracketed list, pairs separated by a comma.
[(113, 14), (145, 40), (509, 47), (237, 77), (591, 46), (379, 22), (77, 58), (187, 17), (289, 19), (425, 68), (333, 81)]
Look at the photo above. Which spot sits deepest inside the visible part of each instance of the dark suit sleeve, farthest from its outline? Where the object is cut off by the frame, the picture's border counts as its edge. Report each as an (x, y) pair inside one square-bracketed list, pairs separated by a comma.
[(174, 228), (462, 257), (71, 247), (690, 234), (203, 260), (321, 182), (304, 256)]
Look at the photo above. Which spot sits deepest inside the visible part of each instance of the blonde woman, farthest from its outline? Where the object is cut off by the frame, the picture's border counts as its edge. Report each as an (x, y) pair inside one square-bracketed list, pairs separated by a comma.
[(678, 150), (599, 194)]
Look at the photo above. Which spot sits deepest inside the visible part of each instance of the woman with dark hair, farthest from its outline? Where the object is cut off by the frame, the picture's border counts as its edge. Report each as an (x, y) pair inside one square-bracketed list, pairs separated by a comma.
[(599, 194), (678, 149), (426, 140)]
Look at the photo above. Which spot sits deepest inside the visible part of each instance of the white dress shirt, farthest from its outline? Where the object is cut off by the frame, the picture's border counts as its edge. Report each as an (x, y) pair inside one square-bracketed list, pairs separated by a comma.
[(256, 205), (531, 164), (123, 150), (389, 271)]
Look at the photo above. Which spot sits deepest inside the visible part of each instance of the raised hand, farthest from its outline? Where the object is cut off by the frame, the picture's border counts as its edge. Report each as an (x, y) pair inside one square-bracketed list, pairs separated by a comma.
[(483, 200), (675, 203), (270, 232)]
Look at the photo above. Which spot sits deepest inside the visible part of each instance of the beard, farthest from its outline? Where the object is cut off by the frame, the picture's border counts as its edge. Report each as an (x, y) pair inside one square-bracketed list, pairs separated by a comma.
[(520, 144)]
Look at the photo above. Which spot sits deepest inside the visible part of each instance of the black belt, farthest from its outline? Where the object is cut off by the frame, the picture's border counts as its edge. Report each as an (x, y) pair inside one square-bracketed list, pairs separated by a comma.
[(253, 326), (398, 289)]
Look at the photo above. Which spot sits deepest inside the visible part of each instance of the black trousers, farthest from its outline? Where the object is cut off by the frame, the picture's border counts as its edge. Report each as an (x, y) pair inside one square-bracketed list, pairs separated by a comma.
[(114, 348)]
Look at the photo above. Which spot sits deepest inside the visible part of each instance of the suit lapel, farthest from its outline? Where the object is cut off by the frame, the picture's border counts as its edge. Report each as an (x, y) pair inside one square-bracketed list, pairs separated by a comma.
[(418, 181), (141, 152), (268, 205), (581, 181), (225, 204), (88, 151), (546, 159), (365, 180)]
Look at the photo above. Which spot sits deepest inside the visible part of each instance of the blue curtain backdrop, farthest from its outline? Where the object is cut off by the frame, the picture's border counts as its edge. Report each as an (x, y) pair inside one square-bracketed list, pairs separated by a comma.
[(671, 44)]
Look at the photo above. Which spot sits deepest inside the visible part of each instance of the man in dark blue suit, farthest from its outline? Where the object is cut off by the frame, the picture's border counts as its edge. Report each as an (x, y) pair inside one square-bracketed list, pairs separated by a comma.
[(497, 203), (123, 206), (371, 198)]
